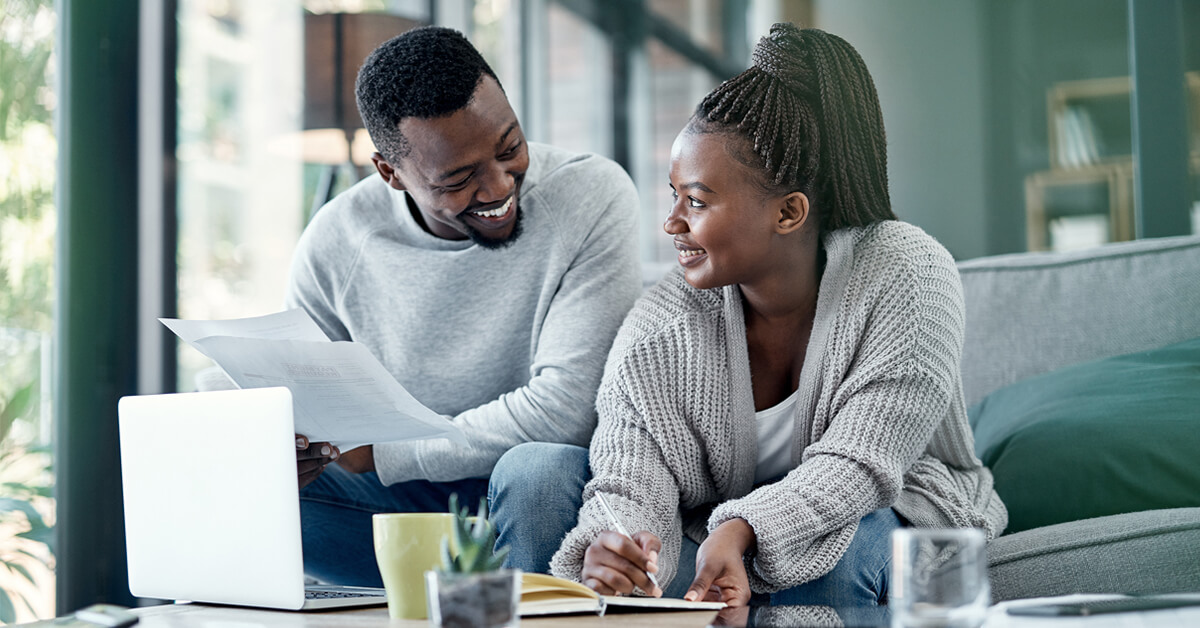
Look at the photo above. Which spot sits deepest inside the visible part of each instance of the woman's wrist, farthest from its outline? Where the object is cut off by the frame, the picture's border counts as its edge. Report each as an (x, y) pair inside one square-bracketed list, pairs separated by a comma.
[(740, 532)]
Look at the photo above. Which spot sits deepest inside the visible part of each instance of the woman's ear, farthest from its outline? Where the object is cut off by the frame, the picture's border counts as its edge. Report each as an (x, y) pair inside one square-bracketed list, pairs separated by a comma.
[(794, 211), (386, 171)]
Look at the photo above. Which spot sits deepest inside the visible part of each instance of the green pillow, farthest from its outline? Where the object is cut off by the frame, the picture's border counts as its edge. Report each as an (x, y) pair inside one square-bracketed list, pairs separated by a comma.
[(1099, 438)]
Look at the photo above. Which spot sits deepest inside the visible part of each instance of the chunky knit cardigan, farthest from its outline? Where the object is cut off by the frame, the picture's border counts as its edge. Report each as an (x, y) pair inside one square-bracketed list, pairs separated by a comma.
[(880, 420)]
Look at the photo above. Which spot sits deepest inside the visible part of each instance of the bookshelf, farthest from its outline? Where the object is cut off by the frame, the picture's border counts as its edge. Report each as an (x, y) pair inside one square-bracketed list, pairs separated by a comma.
[(1088, 188)]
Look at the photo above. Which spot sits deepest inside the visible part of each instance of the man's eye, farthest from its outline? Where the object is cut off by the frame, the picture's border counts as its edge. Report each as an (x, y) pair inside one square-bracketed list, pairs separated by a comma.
[(511, 151), (692, 202), (453, 187)]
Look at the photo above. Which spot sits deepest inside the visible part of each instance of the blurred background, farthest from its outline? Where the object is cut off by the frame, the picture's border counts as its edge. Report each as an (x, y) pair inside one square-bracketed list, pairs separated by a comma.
[(160, 158)]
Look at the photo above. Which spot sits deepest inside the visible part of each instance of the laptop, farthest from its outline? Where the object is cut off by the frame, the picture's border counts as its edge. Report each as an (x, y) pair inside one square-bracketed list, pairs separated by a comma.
[(212, 508)]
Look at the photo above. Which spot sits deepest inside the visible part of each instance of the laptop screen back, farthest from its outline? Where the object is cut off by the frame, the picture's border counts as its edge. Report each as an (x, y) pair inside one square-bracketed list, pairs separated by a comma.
[(211, 501)]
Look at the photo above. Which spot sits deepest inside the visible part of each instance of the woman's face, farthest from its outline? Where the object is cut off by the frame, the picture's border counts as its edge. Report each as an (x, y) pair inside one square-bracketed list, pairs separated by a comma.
[(723, 223)]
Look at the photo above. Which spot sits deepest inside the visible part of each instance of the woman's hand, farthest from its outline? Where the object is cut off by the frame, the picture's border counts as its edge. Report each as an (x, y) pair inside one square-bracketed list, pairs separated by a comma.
[(311, 459), (613, 564), (720, 572)]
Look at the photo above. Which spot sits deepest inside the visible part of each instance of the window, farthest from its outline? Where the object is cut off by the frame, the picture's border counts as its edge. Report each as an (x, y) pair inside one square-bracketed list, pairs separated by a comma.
[(27, 226)]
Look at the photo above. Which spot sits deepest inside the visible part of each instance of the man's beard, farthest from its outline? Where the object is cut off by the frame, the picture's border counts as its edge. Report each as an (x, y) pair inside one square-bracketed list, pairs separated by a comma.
[(492, 243)]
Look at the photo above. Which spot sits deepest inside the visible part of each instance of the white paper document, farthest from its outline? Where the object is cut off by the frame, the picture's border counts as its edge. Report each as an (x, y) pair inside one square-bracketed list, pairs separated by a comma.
[(342, 394)]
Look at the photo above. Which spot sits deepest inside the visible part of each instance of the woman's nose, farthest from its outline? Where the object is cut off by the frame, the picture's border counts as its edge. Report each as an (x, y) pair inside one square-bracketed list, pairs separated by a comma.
[(674, 224)]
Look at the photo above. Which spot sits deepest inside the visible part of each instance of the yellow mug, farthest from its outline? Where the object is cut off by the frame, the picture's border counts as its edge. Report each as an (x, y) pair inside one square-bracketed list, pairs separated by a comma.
[(407, 544)]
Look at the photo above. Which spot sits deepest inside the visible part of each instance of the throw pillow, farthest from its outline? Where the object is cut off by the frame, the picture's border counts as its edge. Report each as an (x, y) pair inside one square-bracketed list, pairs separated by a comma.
[(1100, 438)]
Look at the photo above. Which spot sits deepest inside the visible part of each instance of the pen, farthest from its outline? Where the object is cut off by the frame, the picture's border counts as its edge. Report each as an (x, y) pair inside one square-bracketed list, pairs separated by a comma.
[(619, 527)]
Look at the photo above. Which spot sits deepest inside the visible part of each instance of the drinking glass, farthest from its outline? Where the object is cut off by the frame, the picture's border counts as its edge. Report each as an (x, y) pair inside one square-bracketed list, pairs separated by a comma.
[(939, 578)]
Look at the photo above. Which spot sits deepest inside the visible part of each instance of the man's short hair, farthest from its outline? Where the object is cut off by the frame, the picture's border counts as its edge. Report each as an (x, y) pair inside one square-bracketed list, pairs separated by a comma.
[(426, 72)]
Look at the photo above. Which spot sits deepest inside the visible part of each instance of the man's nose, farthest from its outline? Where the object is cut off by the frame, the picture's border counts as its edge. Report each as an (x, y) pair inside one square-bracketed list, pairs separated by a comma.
[(495, 185)]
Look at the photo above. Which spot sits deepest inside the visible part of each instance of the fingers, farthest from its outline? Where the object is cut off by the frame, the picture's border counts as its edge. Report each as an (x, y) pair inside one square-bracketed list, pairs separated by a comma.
[(311, 459), (701, 584), (606, 580), (315, 451), (615, 564), (650, 544)]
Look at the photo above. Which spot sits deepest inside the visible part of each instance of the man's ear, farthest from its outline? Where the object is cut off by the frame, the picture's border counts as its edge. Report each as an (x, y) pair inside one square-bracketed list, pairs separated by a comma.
[(386, 171), (794, 211)]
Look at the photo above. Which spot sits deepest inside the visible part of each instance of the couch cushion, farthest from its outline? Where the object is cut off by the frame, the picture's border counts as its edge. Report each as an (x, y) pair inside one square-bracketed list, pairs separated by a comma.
[(1031, 313), (1104, 437), (1157, 551)]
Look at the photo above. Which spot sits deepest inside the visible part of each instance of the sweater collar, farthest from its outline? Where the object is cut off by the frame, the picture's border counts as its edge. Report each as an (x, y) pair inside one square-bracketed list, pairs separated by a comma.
[(839, 250)]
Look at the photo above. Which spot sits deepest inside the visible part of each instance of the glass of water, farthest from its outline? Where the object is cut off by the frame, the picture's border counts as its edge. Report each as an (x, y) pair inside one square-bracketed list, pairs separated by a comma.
[(939, 578)]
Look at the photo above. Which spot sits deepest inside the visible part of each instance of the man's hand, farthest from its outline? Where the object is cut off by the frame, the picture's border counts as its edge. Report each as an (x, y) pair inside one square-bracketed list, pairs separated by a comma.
[(311, 459), (359, 459), (720, 572), (613, 564)]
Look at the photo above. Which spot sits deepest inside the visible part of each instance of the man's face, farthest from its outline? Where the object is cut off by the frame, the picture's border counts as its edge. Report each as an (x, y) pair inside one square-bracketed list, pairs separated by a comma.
[(465, 169)]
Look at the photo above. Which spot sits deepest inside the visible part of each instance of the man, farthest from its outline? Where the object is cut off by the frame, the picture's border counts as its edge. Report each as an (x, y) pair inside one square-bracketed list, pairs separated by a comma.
[(487, 274)]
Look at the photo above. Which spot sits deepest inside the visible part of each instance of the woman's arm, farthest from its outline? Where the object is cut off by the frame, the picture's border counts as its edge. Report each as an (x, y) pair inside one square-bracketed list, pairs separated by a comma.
[(629, 468)]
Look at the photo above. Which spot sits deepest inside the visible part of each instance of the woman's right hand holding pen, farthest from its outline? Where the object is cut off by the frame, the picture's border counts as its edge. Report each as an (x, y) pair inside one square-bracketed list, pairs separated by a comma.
[(614, 563)]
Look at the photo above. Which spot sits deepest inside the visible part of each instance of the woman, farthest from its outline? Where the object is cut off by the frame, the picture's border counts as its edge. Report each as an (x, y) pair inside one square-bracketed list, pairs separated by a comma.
[(789, 396)]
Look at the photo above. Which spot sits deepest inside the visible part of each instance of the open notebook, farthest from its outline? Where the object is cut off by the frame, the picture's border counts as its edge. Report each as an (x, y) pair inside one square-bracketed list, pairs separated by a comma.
[(546, 595)]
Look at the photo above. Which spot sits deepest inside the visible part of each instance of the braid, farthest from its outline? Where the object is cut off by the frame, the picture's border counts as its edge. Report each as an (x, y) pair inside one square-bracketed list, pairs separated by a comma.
[(809, 108)]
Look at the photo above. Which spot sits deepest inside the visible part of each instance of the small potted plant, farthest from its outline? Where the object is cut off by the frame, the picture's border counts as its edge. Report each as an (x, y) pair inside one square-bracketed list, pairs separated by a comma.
[(470, 590)]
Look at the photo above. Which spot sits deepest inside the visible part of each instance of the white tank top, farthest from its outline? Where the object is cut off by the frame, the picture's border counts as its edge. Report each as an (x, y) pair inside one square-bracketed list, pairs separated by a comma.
[(775, 427)]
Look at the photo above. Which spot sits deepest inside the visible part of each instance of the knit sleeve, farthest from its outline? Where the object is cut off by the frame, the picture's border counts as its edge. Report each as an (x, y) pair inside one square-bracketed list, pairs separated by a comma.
[(629, 467), (901, 321)]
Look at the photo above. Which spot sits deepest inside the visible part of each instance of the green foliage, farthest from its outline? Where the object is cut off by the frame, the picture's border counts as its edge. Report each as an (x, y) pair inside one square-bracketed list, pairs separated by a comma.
[(28, 151), (475, 538), (16, 407), (27, 160), (18, 497)]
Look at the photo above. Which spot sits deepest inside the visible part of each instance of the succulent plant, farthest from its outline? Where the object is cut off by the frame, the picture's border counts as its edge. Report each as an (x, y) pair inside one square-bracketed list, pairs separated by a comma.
[(475, 538)]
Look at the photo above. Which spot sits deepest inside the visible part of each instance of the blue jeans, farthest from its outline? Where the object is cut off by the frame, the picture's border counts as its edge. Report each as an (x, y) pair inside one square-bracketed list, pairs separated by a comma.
[(537, 490), (335, 519), (535, 495)]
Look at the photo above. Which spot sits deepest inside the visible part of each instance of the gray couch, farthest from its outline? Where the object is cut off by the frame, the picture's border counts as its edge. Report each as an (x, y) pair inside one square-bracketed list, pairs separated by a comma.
[(1032, 313)]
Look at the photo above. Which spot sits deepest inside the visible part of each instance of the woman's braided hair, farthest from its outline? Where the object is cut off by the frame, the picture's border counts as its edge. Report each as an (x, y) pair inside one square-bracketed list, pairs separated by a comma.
[(809, 107)]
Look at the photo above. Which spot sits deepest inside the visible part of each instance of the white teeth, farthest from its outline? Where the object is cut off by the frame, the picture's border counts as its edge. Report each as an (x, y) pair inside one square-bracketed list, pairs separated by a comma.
[(499, 211), (691, 252)]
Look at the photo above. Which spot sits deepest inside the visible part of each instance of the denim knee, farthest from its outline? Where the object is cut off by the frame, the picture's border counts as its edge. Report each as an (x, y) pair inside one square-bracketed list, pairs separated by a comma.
[(528, 468), (534, 495)]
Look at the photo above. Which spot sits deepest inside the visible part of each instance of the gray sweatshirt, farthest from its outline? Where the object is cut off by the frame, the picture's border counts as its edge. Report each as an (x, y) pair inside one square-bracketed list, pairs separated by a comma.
[(508, 343), (881, 420)]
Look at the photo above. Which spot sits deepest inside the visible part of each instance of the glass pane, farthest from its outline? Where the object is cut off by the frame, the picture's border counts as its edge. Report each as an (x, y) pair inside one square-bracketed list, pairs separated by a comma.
[(27, 225), (1191, 65), (240, 178), (259, 149), (700, 19), (580, 91)]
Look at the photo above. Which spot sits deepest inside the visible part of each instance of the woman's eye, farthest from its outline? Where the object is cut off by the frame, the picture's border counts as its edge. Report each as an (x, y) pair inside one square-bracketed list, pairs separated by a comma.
[(692, 202)]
